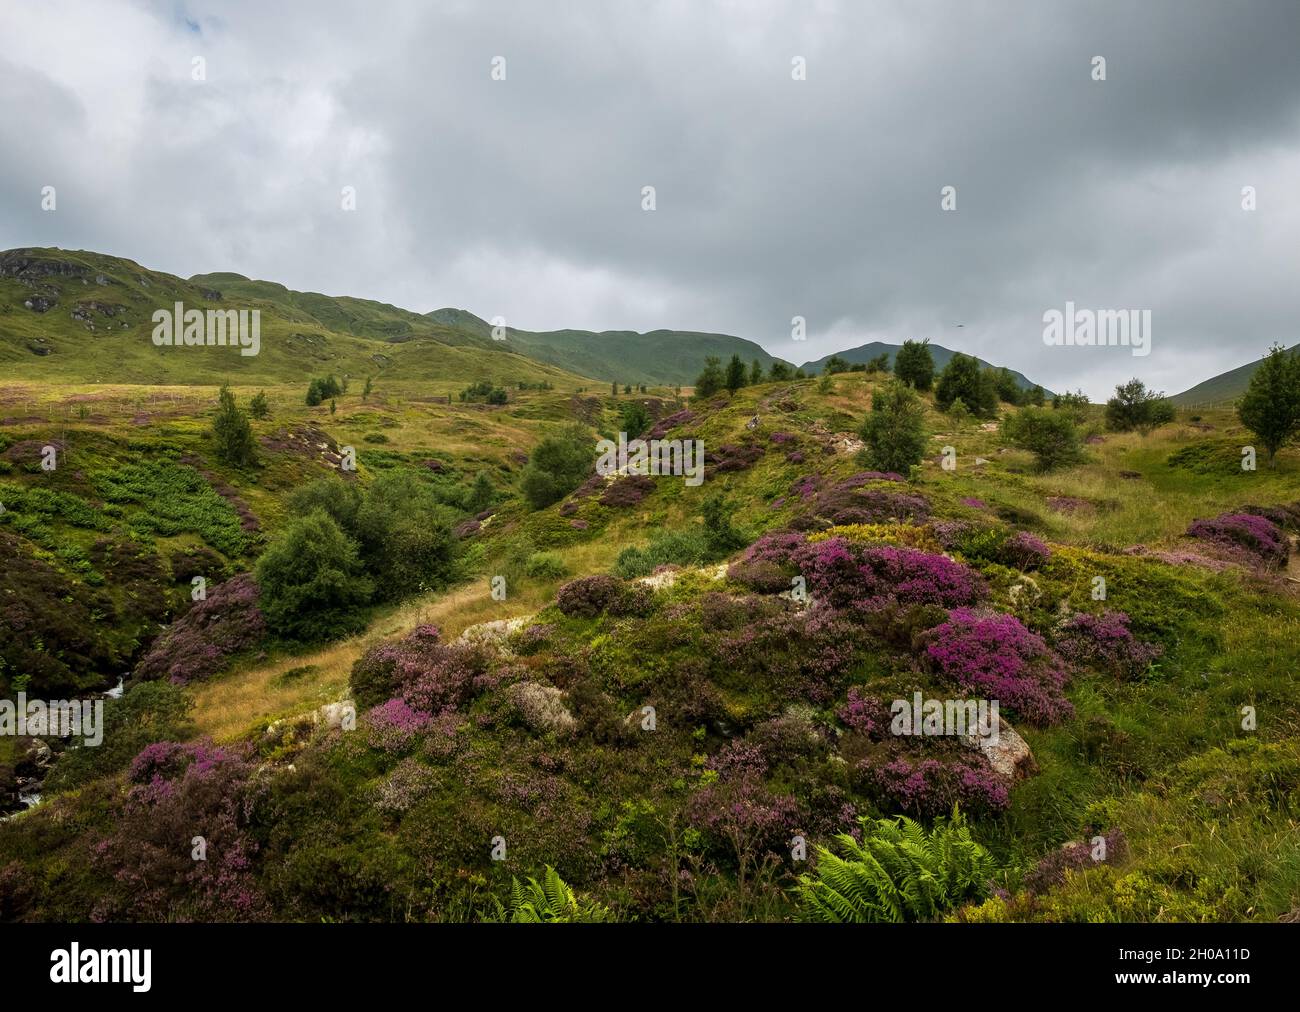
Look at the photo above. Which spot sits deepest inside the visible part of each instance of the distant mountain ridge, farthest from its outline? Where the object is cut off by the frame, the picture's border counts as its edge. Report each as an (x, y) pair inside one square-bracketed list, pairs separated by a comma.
[(866, 352), (85, 316), (667, 357)]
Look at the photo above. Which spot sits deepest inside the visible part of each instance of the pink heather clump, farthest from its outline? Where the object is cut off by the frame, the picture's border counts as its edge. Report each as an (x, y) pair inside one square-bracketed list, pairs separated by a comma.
[(997, 657), (795, 457), (975, 504), (844, 574), (929, 787), (1245, 535), (1106, 642), (781, 437), (862, 477), (199, 643), (394, 725), (1025, 551), (806, 487), (864, 714)]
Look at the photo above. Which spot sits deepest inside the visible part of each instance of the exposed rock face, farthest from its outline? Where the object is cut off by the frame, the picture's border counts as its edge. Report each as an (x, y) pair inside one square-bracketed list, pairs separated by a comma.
[(1009, 756), (40, 303), (495, 634), (542, 707)]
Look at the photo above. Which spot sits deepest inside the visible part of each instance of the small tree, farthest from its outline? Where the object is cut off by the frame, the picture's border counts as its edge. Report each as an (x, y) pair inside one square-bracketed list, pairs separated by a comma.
[(712, 379), (311, 580), (333, 406), (755, 372), (482, 494), (258, 407), (1008, 388), (835, 364), (735, 374), (879, 364), (557, 466), (232, 433), (1049, 435), (895, 430), (1270, 407), (778, 372), (1136, 407), (613, 388), (365, 391), (914, 364), (722, 535), (635, 419), (959, 413)]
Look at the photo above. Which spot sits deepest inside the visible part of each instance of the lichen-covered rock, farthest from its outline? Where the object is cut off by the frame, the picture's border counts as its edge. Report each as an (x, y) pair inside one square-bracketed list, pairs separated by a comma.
[(541, 707)]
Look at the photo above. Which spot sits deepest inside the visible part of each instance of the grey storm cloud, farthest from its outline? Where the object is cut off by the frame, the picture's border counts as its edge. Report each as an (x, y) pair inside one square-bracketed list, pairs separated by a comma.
[(775, 198)]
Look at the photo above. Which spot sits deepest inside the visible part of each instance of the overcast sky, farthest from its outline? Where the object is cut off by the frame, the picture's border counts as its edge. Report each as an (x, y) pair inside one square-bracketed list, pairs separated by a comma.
[(775, 198)]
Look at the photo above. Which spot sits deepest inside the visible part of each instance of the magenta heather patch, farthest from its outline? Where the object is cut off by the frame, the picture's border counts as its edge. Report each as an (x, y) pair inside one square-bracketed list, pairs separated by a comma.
[(929, 787), (996, 656), (1245, 536), (199, 643), (1105, 642), (392, 726), (1025, 551)]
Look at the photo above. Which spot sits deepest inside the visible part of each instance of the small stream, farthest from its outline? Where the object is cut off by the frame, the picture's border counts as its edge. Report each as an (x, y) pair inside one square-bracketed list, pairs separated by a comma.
[(30, 796)]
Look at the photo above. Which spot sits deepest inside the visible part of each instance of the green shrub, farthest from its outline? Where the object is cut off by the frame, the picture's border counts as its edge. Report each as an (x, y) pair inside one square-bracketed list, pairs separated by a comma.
[(895, 430), (546, 566), (1049, 435), (312, 580), (557, 466)]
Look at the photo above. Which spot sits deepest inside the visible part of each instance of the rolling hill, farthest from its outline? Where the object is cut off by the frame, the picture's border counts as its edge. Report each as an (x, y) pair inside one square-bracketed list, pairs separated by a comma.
[(1221, 389), (942, 355), (666, 357), (86, 317)]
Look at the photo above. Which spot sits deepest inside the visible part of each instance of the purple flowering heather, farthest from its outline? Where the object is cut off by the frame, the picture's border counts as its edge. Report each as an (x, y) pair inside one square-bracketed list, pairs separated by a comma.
[(1025, 551), (199, 643), (1244, 535), (929, 787), (975, 504), (392, 726), (1106, 642), (844, 574), (997, 657)]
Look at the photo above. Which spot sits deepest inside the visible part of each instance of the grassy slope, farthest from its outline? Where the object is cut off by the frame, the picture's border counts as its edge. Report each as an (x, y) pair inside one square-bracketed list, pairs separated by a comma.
[(1234, 643), (303, 334), (1221, 389)]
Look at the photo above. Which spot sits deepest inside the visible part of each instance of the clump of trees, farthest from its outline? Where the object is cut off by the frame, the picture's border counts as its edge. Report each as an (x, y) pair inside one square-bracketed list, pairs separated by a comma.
[(346, 547), (1136, 407), (1270, 407), (963, 378), (894, 431), (322, 389), (485, 391), (558, 465)]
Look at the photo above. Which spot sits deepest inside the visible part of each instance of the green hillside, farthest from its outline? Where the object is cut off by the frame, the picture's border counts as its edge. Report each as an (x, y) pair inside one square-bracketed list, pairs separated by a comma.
[(668, 357), (942, 355), (86, 317), (1221, 389)]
